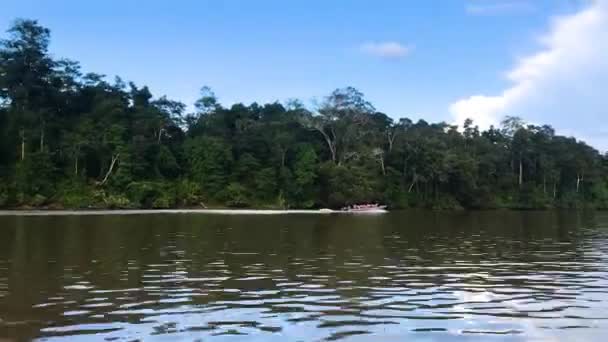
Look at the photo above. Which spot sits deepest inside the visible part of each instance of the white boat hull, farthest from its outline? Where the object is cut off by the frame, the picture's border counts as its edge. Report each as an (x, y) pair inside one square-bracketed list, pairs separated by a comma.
[(368, 211)]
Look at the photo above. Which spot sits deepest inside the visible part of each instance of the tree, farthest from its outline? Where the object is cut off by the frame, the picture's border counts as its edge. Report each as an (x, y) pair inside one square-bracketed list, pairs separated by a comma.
[(209, 162), (339, 121), (25, 71), (303, 190)]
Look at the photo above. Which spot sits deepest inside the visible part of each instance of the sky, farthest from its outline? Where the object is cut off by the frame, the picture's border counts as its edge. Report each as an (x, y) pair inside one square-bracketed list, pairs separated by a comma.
[(440, 60)]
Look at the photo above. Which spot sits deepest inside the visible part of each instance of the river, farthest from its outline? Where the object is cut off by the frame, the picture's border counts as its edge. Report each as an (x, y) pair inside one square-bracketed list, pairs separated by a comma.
[(413, 275)]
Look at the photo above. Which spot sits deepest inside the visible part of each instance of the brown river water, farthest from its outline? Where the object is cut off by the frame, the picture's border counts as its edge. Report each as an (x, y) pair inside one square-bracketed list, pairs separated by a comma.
[(401, 276)]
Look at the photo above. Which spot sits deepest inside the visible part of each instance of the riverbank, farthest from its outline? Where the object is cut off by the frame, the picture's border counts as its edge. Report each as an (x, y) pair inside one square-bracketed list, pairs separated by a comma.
[(178, 196), (270, 209), (176, 211), (233, 211)]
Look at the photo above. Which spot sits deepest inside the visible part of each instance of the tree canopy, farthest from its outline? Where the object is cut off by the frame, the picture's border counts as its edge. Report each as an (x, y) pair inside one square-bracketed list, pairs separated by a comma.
[(77, 140)]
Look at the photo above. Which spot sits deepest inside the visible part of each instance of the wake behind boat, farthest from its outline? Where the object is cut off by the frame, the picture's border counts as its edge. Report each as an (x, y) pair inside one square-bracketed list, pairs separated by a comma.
[(365, 208)]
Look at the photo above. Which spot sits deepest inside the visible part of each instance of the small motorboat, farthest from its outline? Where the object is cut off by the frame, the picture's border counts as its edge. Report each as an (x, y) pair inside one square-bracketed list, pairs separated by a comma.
[(365, 208)]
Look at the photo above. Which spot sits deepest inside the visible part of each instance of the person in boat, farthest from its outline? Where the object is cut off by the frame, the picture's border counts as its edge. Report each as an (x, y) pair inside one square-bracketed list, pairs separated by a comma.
[(364, 206)]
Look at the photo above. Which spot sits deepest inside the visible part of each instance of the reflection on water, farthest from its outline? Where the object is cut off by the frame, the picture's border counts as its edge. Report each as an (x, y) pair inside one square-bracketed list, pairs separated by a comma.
[(402, 276)]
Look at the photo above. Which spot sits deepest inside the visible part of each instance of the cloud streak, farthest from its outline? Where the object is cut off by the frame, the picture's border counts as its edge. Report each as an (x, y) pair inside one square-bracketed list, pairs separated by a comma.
[(388, 50), (563, 83)]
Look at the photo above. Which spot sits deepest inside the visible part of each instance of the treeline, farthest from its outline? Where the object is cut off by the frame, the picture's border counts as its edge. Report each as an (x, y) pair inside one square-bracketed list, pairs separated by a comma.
[(76, 140)]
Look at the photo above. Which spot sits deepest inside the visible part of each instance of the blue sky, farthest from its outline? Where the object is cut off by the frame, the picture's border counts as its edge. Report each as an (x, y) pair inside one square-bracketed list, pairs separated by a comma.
[(437, 60)]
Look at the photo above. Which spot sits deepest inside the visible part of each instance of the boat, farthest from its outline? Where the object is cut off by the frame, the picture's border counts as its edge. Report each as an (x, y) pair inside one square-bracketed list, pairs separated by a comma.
[(365, 208)]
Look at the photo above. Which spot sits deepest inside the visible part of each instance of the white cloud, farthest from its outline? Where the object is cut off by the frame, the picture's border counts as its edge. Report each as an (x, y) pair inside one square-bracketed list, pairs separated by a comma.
[(386, 49), (563, 84), (493, 7)]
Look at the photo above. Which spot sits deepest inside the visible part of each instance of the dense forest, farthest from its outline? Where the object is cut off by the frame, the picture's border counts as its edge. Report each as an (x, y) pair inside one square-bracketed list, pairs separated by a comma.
[(70, 139)]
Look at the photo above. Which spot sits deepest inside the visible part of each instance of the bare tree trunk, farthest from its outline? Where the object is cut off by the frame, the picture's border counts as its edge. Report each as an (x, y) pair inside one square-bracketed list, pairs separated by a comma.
[(544, 184), (329, 142), (160, 134), (414, 180), (554, 189), (391, 139), (521, 173), (382, 165), (114, 160), (283, 155), (76, 160), (22, 144), (579, 178), (42, 137), (332, 149)]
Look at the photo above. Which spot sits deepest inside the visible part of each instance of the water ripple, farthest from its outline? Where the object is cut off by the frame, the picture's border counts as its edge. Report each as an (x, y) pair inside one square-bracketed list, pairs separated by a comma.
[(344, 281)]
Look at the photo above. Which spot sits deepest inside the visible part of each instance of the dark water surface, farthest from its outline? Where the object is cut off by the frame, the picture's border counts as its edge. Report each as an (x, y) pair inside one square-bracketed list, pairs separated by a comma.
[(421, 276)]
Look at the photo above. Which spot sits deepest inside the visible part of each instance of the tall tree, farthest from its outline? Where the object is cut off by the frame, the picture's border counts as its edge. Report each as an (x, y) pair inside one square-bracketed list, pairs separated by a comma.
[(25, 71)]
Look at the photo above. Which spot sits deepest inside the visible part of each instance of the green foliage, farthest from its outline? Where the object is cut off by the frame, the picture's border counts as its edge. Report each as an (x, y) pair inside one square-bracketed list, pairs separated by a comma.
[(599, 195), (80, 141), (531, 196), (570, 200), (167, 163), (38, 200), (35, 175), (4, 196), (265, 184), (444, 202), (75, 194), (346, 185), (115, 201), (165, 200), (151, 195), (209, 160), (236, 196), (188, 193), (143, 193)]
